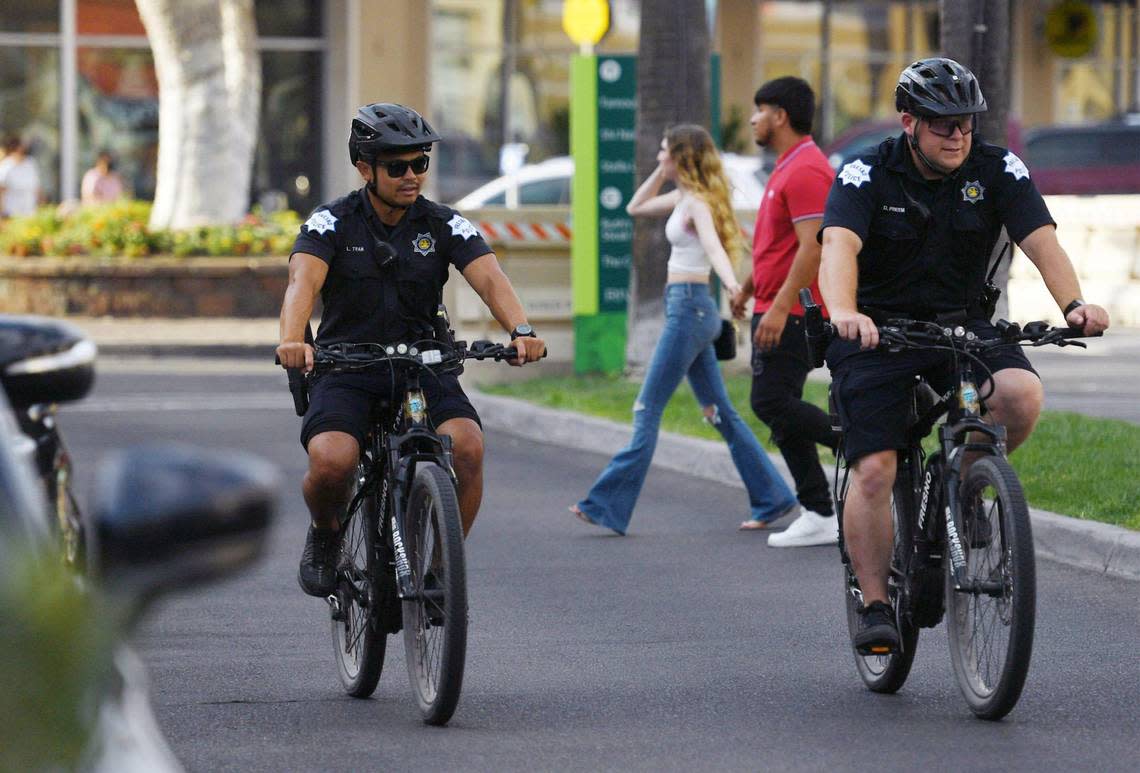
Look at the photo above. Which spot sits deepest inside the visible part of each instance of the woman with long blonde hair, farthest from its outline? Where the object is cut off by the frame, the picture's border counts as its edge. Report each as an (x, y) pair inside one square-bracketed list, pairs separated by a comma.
[(703, 233)]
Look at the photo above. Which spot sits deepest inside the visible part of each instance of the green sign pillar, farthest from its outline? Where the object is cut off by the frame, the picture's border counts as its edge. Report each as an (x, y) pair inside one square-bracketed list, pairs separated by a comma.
[(603, 123), (602, 141)]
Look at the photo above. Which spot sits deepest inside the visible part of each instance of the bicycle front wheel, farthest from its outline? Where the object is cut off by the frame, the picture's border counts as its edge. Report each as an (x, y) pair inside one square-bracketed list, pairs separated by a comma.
[(359, 638), (888, 673), (435, 618), (990, 621)]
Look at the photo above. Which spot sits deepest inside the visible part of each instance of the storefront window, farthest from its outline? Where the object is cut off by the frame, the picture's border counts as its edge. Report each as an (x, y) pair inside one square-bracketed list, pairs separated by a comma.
[(29, 16), (29, 106), (294, 19), (108, 17), (288, 159), (118, 112)]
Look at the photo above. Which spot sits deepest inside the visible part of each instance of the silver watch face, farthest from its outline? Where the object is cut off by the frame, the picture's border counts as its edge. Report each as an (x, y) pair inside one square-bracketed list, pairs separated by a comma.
[(522, 330)]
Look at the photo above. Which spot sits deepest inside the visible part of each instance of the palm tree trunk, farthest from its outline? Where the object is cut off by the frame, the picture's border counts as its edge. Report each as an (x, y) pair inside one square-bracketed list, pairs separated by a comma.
[(209, 77), (976, 33), (672, 87)]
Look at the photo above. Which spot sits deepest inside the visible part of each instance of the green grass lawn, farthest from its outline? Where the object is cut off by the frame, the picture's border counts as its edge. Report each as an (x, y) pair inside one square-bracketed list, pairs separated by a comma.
[(1076, 465)]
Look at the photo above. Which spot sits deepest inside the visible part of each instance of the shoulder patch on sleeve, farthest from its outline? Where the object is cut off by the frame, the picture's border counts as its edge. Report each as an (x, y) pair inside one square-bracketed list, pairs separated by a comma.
[(1015, 166), (461, 226), (855, 173), (320, 221)]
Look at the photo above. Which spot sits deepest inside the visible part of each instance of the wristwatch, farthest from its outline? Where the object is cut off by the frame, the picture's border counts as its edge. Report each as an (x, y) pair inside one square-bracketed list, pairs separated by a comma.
[(1075, 304), (523, 331)]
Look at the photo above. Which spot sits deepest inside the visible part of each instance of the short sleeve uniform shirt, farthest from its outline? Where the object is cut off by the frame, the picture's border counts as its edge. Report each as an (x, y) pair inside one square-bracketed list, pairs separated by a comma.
[(366, 301), (926, 242)]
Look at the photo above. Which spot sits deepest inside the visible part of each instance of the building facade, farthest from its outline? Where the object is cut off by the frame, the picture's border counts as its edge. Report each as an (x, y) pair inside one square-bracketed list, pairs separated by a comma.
[(77, 77)]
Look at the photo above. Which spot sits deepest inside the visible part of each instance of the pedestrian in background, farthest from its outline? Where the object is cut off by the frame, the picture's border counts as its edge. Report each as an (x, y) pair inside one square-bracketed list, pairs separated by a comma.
[(101, 183), (785, 259), (703, 233), (20, 191)]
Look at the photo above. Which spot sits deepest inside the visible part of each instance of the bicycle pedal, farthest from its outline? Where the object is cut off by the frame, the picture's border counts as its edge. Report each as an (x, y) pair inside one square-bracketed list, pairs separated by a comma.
[(877, 649), (335, 608)]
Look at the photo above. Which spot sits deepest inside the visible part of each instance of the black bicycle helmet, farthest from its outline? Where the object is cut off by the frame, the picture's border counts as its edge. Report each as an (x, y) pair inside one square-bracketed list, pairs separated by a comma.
[(385, 126), (938, 86)]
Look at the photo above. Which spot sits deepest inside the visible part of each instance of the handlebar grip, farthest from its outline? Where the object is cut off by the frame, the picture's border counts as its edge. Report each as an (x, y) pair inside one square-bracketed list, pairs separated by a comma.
[(806, 298), (297, 386), (817, 332), (299, 389)]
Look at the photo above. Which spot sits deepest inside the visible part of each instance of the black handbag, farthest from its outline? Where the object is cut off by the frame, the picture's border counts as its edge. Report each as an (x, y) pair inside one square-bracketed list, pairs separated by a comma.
[(725, 343)]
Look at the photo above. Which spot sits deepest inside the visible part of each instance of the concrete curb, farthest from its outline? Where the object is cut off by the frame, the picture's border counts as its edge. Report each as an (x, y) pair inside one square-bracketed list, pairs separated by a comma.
[(1091, 545)]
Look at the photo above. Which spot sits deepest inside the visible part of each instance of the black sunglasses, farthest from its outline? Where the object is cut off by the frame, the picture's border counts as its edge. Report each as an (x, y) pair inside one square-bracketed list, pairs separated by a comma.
[(419, 165), (944, 127)]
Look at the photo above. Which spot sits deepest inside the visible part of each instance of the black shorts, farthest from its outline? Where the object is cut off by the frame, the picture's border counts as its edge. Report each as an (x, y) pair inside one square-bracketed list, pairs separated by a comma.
[(872, 388), (342, 402)]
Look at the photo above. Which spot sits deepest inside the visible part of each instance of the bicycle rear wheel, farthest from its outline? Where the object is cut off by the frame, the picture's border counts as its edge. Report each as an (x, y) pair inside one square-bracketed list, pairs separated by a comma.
[(991, 627), (359, 638), (888, 673), (435, 619)]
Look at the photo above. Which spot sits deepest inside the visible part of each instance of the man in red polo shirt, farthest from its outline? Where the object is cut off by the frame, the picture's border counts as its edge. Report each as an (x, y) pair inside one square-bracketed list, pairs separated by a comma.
[(785, 258)]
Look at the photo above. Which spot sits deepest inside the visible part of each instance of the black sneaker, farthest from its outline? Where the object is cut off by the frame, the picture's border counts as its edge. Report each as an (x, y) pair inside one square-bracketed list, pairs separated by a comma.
[(878, 634), (317, 575)]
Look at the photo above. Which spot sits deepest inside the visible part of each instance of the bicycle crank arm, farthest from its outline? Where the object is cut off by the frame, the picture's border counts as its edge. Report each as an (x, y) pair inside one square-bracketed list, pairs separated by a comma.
[(992, 588)]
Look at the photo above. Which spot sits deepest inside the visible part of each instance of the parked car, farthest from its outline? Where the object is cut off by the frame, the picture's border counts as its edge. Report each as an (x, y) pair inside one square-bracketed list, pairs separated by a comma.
[(1091, 159), (1087, 159), (73, 695), (859, 140), (548, 183), (864, 137)]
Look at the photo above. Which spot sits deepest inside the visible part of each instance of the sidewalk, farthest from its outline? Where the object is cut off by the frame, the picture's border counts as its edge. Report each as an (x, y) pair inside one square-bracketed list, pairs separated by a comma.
[(1086, 544)]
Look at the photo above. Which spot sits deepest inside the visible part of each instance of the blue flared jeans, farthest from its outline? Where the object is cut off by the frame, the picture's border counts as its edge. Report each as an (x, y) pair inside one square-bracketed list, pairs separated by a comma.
[(685, 349)]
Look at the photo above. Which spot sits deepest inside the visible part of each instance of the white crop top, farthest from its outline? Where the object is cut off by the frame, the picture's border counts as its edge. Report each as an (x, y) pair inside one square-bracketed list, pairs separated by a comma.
[(687, 255)]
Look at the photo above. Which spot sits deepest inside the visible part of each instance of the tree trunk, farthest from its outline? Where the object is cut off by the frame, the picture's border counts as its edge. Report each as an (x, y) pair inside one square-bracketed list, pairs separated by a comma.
[(986, 53), (672, 87), (209, 78)]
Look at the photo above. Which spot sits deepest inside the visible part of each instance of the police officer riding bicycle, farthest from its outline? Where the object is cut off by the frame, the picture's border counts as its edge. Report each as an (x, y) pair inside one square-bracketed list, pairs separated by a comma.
[(379, 258), (906, 232)]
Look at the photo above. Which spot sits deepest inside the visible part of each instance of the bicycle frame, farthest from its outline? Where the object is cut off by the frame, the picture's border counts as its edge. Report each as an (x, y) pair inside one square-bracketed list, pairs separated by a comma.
[(393, 460), (954, 444)]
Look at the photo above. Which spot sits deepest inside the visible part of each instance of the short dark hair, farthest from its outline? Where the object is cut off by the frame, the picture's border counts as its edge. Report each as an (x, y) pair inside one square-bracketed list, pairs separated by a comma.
[(792, 94)]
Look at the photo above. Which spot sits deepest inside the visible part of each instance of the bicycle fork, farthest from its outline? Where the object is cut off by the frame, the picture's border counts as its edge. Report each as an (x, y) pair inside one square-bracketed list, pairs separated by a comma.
[(953, 506)]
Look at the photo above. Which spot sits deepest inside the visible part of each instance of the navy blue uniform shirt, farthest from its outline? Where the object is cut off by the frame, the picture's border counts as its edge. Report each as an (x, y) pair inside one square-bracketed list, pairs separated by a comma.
[(365, 302), (926, 242)]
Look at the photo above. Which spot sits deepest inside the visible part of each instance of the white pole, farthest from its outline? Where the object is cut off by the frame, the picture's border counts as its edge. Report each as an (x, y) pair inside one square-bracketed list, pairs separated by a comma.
[(69, 102)]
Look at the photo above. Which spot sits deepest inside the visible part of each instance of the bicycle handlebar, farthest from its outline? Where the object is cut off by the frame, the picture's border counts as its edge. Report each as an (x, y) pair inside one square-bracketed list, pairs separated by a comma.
[(902, 333), (349, 356)]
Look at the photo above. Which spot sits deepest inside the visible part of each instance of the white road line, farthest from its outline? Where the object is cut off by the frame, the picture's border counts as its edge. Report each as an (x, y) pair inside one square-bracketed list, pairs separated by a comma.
[(229, 401)]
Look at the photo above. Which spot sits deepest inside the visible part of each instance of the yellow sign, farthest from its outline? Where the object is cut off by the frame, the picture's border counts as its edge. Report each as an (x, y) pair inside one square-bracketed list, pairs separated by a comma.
[(586, 21), (1070, 28)]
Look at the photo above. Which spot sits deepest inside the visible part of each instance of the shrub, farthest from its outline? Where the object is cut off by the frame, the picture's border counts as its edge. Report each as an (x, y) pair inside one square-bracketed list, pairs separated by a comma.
[(120, 229)]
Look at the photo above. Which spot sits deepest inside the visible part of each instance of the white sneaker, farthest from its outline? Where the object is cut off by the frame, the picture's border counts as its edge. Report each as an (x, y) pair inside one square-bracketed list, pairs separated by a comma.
[(808, 529)]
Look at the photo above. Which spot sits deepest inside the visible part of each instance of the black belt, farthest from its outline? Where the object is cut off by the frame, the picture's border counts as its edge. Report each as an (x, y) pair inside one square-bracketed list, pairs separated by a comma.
[(882, 316)]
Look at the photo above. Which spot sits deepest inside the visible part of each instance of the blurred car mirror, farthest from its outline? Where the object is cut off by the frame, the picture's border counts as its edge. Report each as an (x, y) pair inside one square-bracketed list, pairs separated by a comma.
[(168, 516)]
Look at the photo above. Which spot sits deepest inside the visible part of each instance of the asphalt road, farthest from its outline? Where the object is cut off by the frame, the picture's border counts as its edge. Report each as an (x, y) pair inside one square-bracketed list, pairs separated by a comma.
[(684, 646)]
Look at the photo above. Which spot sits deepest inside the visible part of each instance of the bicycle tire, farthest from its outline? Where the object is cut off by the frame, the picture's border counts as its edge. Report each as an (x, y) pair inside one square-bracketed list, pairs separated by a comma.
[(435, 629), (359, 637), (991, 638), (888, 673)]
